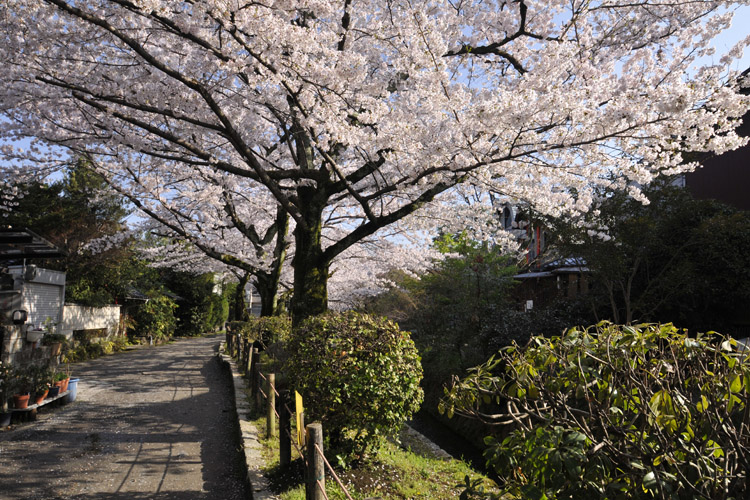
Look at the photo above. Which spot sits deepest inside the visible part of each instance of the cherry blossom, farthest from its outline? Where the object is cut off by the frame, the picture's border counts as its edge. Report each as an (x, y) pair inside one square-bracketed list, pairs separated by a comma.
[(363, 112)]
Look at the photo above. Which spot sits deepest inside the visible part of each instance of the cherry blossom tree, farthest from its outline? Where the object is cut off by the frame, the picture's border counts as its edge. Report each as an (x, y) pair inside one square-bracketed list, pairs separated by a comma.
[(363, 111)]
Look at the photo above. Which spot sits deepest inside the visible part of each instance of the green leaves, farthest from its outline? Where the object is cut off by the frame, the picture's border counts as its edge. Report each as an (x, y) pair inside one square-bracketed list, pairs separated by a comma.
[(642, 411), (359, 374)]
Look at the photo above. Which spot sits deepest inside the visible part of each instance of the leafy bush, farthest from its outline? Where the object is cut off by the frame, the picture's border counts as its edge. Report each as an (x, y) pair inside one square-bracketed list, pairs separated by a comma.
[(92, 350), (156, 317), (358, 374), (266, 329), (218, 312), (616, 412), (53, 338)]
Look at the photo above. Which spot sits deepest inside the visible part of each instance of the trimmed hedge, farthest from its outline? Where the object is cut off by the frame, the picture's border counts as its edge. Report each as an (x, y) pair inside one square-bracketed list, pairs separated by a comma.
[(359, 375)]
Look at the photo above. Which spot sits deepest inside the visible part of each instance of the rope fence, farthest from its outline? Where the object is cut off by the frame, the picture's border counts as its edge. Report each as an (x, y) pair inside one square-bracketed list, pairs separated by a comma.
[(310, 448)]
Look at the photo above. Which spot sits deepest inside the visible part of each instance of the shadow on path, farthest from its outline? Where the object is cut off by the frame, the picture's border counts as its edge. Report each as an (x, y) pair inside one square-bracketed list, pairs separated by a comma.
[(152, 423)]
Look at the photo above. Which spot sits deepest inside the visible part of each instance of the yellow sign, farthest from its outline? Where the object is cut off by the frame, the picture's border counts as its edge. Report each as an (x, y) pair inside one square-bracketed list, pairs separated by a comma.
[(299, 410)]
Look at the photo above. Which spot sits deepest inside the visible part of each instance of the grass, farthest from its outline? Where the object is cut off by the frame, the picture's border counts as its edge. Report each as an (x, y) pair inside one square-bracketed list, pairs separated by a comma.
[(405, 470)]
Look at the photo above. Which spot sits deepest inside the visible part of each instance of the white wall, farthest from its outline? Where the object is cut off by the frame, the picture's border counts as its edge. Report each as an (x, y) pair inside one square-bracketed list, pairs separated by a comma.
[(77, 317)]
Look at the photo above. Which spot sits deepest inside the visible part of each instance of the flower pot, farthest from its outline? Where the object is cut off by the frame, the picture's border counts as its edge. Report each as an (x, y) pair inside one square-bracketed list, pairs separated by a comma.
[(53, 392), (56, 348), (62, 384), (34, 335), (39, 397), (5, 419), (73, 388), (21, 401)]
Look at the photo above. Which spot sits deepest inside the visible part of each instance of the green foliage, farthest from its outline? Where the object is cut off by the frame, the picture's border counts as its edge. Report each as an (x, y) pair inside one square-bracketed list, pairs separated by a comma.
[(41, 378), (92, 350), (458, 312), (676, 259), (218, 312), (156, 317), (200, 309), (21, 380), (266, 329), (6, 383), (615, 412), (54, 338), (358, 374)]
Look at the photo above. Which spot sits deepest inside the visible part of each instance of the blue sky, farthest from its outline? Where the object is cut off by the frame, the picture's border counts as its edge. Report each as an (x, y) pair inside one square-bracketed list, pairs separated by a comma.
[(739, 30)]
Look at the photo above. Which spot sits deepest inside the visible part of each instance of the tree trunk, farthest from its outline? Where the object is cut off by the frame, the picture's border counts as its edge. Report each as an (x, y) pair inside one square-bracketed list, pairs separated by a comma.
[(310, 269), (267, 288), (240, 306)]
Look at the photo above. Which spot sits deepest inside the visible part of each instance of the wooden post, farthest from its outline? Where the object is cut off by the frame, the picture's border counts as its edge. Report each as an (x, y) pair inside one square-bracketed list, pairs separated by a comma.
[(315, 467), (285, 429), (247, 352), (256, 381), (271, 406), (242, 358), (238, 342), (249, 367)]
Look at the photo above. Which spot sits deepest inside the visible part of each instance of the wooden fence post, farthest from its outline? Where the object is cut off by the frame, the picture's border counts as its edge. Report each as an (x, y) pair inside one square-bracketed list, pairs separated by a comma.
[(315, 467), (271, 406), (245, 354), (285, 429), (249, 358), (256, 381), (249, 369), (238, 342)]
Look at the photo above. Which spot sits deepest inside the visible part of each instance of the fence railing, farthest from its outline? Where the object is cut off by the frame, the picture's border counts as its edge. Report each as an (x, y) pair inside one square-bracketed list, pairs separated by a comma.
[(309, 439)]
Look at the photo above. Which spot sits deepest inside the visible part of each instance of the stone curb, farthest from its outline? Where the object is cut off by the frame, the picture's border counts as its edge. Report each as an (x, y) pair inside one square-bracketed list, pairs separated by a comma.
[(250, 443)]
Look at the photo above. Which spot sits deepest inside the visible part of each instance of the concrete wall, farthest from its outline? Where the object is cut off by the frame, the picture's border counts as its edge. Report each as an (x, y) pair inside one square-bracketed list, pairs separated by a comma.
[(77, 317), (18, 351)]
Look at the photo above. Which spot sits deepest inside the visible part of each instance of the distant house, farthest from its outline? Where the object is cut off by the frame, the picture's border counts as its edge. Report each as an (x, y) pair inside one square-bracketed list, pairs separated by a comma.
[(544, 277)]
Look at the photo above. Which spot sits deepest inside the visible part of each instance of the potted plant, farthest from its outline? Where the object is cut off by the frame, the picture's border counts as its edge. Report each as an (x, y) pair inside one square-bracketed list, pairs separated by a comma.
[(59, 382), (41, 382), (54, 340), (6, 384), (21, 385)]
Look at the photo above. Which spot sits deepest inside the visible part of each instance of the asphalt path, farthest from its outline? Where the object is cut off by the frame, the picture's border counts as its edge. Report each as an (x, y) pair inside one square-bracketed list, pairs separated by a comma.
[(152, 423)]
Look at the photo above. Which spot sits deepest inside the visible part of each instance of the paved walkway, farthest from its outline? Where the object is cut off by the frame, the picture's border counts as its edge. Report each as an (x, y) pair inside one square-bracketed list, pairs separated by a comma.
[(153, 423)]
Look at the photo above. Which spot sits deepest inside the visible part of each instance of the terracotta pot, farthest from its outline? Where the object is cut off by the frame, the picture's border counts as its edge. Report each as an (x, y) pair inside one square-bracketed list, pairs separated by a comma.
[(56, 348), (39, 397), (65, 385), (21, 401)]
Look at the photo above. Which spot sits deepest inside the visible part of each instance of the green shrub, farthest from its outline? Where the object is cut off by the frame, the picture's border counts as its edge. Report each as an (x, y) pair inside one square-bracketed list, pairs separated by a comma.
[(358, 374), (53, 338), (616, 412), (266, 329), (244, 328), (272, 329), (218, 312), (156, 317)]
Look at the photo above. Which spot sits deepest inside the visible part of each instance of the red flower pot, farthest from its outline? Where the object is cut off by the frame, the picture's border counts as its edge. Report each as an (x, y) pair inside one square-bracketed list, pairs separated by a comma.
[(39, 397), (21, 401)]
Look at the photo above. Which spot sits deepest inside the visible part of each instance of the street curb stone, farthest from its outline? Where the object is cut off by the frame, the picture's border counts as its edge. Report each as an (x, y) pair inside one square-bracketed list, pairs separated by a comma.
[(251, 445)]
